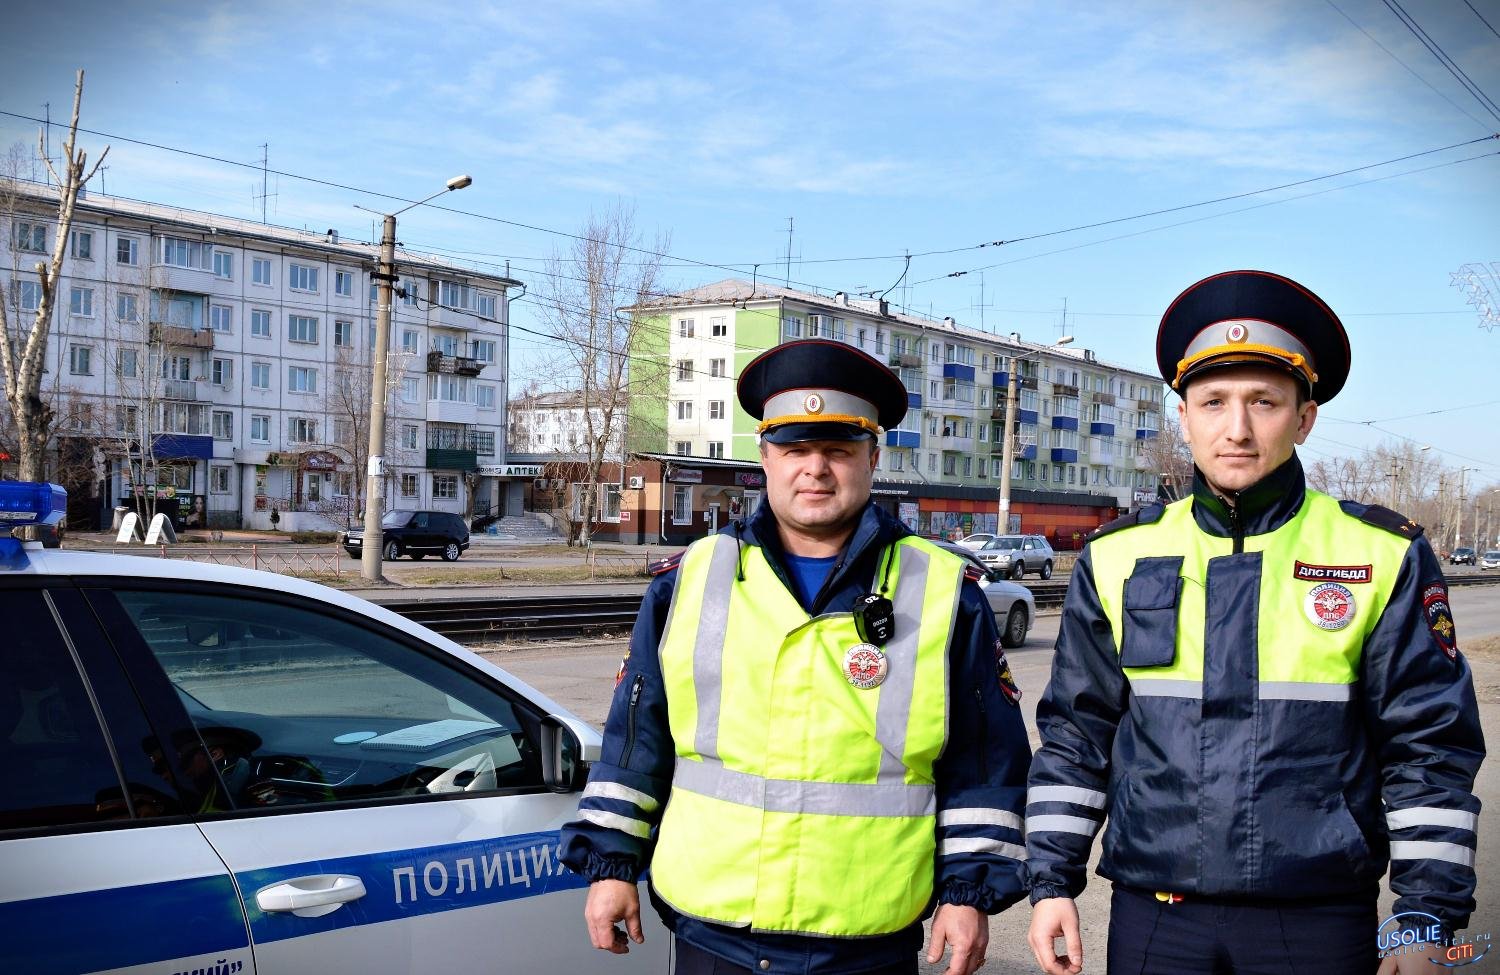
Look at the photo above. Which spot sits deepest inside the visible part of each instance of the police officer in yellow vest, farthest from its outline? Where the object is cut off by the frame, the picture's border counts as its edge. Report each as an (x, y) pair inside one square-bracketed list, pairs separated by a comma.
[(814, 739), (1258, 686)]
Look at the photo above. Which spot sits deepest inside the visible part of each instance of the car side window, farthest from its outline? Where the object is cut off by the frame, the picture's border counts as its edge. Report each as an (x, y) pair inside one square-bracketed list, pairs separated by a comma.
[(419, 520), (54, 762), (297, 706)]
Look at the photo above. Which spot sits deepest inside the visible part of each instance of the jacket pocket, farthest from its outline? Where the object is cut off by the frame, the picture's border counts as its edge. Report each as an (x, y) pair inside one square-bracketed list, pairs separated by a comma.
[(1149, 637)]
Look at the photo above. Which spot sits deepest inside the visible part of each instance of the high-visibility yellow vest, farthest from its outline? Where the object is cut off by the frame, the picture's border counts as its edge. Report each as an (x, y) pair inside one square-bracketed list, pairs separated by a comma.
[(801, 802), (1315, 611)]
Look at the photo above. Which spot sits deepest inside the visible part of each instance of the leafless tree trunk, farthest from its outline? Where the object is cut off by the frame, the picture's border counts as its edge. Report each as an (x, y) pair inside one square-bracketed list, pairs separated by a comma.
[(1170, 458), (581, 295), (349, 406), (23, 351)]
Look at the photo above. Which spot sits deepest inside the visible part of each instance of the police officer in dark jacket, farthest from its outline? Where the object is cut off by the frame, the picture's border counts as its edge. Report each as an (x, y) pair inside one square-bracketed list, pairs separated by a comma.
[(1258, 686), (810, 744)]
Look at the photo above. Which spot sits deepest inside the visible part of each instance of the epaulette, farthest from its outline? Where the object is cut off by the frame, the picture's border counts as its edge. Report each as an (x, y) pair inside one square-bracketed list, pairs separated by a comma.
[(1373, 514), (1141, 516), (972, 572), (662, 566)]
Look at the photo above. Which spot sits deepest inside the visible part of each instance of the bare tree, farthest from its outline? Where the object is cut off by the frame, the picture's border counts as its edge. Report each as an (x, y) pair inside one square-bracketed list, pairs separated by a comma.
[(1170, 458), (581, 297), (24, 350), (349, 406)]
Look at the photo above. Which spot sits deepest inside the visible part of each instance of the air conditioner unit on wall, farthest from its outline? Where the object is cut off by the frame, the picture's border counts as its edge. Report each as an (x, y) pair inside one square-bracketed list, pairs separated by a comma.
[(637, 482)]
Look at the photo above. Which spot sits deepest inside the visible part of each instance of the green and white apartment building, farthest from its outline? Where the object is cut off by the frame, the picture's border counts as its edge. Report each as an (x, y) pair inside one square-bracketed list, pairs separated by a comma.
[(1083, 423), (223, 367)]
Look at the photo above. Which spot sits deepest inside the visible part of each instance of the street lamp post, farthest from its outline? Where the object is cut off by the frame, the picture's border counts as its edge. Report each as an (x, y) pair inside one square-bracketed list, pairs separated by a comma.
[(371, 550), (1008, 446), (1458, 531)]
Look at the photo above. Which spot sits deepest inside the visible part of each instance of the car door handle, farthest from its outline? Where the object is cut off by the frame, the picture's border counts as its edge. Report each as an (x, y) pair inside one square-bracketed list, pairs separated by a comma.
[(311, 896)]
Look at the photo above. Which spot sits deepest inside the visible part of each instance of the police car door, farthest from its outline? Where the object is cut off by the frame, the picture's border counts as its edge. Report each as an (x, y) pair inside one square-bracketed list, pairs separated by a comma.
[(101, 867), (388, 807)]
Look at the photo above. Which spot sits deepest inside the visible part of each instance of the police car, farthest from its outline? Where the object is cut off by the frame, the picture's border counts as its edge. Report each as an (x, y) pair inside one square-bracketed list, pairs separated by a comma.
[(209, 769)]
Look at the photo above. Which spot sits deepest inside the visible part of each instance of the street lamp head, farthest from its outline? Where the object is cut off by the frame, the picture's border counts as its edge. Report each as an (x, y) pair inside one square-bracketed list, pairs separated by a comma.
[(1065, 340), (459, 182)]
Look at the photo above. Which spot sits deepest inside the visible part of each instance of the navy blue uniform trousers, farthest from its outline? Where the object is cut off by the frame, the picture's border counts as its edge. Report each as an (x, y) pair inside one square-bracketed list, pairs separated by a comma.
[(1226, 937)]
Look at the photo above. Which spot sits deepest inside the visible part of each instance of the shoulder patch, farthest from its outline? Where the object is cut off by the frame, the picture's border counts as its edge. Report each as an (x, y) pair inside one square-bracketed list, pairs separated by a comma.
[(1141, 516), (663, 566), (1380, 517), (1440, 617)]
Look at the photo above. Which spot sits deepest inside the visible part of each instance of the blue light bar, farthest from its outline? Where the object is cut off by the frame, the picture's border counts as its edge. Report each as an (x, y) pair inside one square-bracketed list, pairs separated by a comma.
[(31, 503)]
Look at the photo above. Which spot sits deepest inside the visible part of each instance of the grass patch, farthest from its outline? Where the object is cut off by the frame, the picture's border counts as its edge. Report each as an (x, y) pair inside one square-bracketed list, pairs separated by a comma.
[(314, 538), (550, 574)]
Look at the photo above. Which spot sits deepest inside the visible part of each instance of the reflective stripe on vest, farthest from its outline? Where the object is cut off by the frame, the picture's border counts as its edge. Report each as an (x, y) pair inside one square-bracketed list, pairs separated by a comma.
[(800, 802)]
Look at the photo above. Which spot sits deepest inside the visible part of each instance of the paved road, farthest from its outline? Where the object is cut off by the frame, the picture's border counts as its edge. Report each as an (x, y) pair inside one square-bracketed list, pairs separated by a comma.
[(580, 677)]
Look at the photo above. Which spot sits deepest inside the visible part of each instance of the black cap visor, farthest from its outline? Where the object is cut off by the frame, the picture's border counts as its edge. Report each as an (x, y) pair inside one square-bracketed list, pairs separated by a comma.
[(802, 432)]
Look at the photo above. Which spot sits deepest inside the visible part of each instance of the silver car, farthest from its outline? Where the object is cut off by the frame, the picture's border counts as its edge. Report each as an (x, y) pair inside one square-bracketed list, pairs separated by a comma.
[(1013, 605), (1016, 555), (1490, 559)]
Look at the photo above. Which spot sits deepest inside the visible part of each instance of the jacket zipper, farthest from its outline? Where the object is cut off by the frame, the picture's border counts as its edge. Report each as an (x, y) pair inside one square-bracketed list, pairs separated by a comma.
[(1236, 530), (635, 699), (984, 737)]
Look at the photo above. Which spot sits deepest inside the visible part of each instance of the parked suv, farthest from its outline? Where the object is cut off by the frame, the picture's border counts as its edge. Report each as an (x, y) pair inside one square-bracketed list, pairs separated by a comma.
[(415, 533), (1463, 556), (1017, 555)]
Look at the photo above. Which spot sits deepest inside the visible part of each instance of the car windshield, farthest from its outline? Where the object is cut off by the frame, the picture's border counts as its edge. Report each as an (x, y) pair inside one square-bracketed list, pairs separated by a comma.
[(1492, 554), (395, 519), (1005, 543)]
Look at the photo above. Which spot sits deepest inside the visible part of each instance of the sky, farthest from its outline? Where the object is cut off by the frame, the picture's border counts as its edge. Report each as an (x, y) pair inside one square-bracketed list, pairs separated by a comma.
[(878, 128)]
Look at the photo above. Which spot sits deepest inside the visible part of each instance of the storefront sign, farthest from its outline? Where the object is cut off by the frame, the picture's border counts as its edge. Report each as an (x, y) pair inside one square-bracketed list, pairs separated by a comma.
[(624, 516), (750, 478), (685, 475), (1145, 497), (510, 470), (319, 460)]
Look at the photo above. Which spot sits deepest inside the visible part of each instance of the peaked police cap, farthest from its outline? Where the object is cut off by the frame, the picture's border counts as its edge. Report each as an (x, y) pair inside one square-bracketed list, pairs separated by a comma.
[(1253, 317), (816, 389)]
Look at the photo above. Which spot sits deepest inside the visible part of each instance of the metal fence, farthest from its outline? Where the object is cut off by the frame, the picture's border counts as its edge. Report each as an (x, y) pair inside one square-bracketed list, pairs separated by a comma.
[(256, 557)]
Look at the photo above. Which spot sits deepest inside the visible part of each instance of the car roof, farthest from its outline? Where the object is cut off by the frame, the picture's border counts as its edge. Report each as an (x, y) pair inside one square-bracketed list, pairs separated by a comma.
[(77, 565)]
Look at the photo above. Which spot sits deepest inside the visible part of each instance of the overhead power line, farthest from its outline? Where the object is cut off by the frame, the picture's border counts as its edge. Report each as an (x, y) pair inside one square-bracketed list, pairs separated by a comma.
[(1447, 62)]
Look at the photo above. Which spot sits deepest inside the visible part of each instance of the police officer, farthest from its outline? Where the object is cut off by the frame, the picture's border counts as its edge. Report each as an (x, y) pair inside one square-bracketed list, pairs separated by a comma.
[(810, 742), (1258, 686)]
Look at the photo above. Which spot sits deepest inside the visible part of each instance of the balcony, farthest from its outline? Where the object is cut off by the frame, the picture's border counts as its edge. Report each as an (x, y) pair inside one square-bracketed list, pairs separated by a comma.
[(956, 370), (1143, 462), (1102, 429), (1026, 451), (1058, 389), (903, 438), (443, 459), (1000, 380), (1108, 399), (913, 400), (1060, 422), (451, 411), (180, 389), (453, 364), (1143, 434), (899, 359), (1026, 416), (962, 445), (1064, 455), (177, 335), (1145, 404)]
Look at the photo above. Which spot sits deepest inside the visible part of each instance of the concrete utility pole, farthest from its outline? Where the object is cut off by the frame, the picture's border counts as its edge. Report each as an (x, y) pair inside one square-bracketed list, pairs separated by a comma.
[(1394, 475), (371, 548), (1008, 445)]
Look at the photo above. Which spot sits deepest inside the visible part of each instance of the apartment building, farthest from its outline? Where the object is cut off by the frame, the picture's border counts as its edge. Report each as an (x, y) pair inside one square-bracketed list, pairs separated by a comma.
[(552, 426), (222, 367), (1082, 422)]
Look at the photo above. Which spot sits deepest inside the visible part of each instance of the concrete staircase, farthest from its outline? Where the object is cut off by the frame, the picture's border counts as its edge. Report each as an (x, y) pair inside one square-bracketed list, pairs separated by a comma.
[(523, 528)]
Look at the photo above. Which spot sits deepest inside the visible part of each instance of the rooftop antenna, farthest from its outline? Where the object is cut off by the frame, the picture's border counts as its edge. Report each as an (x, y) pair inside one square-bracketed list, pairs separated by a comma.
[(1063, 328), (788, 279), (265, 193), (982, 305)]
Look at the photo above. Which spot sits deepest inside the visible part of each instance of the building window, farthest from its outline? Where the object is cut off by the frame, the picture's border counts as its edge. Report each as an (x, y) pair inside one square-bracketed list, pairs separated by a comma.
[(716, 367), (444, 486), (684, 370), (128, 363), (409, 340), (716, 409), (301, 379), (28, 295), (684, 409), (484, 397), (81, 302), (260, 428), (221, 372), (301, 429), (181, 252), (260, 375), (301, 277), (684, 328), (81, 245), (127, 308), (223, 425), (223, 264), (80, 360), (682, 505), (443, 342), (484, 443), (221, 318), (718, 327), (683, 448), (301, 328), (409, 436), (411, 390), (127, 251), (343, 333), (127, 418), (177, 367), (260, 271), (408, 485), (716, 448), (260, 323), (484, 350), (31, 237), (218, 480), (343, 283)]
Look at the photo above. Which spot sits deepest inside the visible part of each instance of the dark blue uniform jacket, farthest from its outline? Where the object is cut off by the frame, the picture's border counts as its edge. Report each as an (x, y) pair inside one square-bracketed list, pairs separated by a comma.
[(984, 764)]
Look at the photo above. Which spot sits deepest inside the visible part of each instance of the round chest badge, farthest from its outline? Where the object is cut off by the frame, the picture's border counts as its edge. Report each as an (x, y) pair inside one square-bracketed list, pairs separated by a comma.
[(1237, 333), (1330, 606), (865, 665), (813, 403)]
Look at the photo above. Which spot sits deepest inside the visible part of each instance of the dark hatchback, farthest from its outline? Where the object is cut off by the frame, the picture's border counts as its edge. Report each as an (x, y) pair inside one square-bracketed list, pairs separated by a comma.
[(415, 533)]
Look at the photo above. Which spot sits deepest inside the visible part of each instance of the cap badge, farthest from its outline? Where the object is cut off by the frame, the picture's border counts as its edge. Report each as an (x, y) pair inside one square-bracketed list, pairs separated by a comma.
[(1236, 333), (812, 403), (865, 665), (1330, 606)]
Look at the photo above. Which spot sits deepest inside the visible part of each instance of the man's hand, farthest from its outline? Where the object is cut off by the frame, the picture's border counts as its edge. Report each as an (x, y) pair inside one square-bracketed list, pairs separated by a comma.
[(611, 901), (1412, 963), (1052, 918), (966, 931)]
